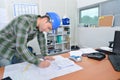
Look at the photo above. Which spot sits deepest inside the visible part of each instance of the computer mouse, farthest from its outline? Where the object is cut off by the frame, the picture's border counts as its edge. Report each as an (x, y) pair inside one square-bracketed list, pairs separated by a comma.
[(96, 55)]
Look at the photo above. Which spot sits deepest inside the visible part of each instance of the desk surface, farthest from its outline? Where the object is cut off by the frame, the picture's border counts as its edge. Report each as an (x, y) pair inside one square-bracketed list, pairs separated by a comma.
[(92, 70)]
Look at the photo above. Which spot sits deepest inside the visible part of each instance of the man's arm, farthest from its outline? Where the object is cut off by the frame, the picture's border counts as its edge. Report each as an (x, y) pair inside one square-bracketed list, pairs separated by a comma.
[(21, 42), (42, 43)]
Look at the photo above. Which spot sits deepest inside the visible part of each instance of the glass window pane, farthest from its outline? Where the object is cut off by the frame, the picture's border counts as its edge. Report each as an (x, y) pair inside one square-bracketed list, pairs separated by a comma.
[(89, 17)]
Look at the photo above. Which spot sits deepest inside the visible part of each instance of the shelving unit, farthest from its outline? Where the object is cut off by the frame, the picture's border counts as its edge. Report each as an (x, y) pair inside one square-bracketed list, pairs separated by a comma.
[(59, 41)]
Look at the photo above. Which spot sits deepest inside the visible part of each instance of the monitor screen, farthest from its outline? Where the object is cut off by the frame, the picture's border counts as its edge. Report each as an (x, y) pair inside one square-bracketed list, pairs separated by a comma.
[(116, 45)]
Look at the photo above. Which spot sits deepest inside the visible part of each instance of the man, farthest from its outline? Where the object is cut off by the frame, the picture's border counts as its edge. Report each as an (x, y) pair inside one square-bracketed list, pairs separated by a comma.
[(15, 36)]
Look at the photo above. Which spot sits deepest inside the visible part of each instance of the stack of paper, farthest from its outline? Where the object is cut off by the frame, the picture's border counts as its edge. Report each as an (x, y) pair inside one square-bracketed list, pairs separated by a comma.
[(61, 62)]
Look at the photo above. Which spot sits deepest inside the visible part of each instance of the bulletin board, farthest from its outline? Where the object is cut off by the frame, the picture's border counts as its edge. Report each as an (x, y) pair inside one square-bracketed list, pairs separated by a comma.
[(106, 21)]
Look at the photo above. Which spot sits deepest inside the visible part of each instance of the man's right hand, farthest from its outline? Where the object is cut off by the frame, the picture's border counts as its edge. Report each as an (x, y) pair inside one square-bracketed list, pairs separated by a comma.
[(44, 64)]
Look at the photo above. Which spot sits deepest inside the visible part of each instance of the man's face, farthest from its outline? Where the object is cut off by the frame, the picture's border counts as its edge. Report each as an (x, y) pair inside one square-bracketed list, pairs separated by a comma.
[(44, 25)]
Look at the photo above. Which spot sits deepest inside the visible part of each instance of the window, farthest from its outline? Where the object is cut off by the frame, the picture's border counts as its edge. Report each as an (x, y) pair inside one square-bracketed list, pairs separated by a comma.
[(89, 17)]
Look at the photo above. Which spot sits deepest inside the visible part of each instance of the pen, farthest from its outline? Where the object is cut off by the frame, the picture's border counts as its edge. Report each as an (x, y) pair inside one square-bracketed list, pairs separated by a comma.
[(27, 67)]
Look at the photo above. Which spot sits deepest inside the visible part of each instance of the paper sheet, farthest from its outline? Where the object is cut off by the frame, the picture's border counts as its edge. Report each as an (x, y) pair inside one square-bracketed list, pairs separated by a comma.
[(106, 49), (76, 53), (87, 50), (16, 71)]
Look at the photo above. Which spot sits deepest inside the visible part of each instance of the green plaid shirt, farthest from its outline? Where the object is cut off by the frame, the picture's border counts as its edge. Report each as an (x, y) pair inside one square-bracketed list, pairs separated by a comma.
[(15, 36)]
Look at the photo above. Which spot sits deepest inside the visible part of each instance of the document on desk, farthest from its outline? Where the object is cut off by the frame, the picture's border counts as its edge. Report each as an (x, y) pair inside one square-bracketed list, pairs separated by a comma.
[(87, 50), (27, 71), (18, 72), (106, 49), (76, 53)]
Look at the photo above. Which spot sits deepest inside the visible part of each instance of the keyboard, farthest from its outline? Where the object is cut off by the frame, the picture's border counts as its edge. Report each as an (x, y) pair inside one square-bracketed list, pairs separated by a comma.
[(115, 61)]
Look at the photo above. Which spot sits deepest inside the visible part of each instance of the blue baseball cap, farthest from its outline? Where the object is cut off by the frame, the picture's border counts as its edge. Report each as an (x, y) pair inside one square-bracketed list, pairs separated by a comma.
[(55, 20)]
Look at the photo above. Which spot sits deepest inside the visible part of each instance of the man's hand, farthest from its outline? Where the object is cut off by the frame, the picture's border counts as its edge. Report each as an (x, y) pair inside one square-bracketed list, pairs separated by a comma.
[(44, 64), (49, 58), (46, 61)]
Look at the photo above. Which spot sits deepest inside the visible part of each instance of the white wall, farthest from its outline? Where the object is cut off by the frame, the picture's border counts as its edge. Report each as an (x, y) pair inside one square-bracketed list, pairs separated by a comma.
[(95, 37), (83, 3), (3, 4)]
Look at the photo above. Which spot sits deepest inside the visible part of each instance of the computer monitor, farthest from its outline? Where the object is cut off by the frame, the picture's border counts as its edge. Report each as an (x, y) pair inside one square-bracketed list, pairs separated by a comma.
[(116, 45)]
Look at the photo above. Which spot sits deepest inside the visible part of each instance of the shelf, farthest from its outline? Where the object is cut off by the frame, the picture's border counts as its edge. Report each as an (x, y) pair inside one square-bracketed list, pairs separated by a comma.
[(59, 41), (51, 35)]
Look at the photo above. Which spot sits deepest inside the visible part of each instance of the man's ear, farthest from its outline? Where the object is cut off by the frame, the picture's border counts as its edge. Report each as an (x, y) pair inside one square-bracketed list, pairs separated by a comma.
[(38, 21), (45, 19)]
